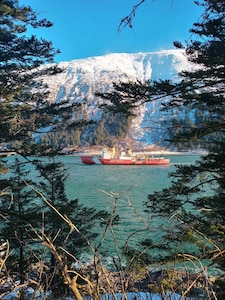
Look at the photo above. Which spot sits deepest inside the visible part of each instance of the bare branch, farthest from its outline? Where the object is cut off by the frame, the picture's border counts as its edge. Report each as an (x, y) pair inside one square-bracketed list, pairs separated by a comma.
[(127, 21)]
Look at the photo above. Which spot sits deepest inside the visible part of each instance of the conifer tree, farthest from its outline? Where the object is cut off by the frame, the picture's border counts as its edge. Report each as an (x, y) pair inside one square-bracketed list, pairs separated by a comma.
[(24, 62), (52, 184), (24, 112), (18, 211), (70, 244), (195, 201), (196, 196)]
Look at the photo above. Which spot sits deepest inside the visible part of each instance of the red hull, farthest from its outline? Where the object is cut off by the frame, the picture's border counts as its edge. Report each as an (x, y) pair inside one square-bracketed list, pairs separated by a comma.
[(91, 160), (114, 161), (87, 160), (150, 161)]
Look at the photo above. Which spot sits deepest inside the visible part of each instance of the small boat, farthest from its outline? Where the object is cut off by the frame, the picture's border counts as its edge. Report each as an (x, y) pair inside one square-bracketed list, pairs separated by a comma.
[(86, 159), (90, 160), (124, 158)]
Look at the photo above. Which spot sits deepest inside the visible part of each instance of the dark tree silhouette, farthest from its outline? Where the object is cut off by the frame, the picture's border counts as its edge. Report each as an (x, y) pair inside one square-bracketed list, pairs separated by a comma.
[(195, 201)]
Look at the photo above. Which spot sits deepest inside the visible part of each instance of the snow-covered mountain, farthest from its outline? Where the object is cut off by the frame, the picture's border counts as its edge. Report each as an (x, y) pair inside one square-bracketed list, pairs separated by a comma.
[(83, 77)]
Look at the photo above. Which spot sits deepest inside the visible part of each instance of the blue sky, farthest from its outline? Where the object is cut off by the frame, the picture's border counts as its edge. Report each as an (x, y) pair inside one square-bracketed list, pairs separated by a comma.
[(85, 28)]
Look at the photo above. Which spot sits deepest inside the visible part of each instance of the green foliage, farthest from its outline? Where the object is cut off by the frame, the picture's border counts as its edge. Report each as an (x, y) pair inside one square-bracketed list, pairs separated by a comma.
[(18, 212), (111, 128), (125, 98), (30, 210), (52, 184), (24, 109), (63, 139), (196, 198), (69, 243), (195, 201), (25, 113)]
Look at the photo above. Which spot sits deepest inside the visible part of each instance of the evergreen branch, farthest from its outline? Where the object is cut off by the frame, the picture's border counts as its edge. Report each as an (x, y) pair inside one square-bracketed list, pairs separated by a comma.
[(65, 218)]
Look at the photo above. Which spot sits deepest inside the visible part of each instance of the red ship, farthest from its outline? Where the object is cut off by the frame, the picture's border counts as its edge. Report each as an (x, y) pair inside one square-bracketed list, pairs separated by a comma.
[(125, 158)]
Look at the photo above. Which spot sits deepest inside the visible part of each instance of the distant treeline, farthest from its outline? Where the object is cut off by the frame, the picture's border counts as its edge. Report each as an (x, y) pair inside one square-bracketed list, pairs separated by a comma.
[(108, 130), (114, 128)]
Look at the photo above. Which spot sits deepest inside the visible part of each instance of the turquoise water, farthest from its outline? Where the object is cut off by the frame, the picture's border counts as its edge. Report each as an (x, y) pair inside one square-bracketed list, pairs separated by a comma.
[(99, 185), (91, 183)]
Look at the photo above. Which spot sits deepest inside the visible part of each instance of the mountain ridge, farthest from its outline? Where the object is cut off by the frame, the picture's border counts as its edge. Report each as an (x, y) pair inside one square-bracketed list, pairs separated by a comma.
[(81, 78)]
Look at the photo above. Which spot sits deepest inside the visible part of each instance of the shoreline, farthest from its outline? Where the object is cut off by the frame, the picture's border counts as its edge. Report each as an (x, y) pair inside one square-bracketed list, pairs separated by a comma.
[(159, 153)]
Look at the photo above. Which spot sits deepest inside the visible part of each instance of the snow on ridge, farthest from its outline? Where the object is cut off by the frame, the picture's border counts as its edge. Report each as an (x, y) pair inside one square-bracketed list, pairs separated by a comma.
[(83, 77), (134, 65), (119, 54)]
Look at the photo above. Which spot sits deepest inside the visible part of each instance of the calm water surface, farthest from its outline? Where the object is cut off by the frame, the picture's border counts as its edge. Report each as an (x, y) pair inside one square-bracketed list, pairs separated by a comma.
[(98, 185), (91, 183)]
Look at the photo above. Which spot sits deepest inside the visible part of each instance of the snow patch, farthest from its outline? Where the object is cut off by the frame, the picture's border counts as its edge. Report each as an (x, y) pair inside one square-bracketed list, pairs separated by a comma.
[(83, 77)]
